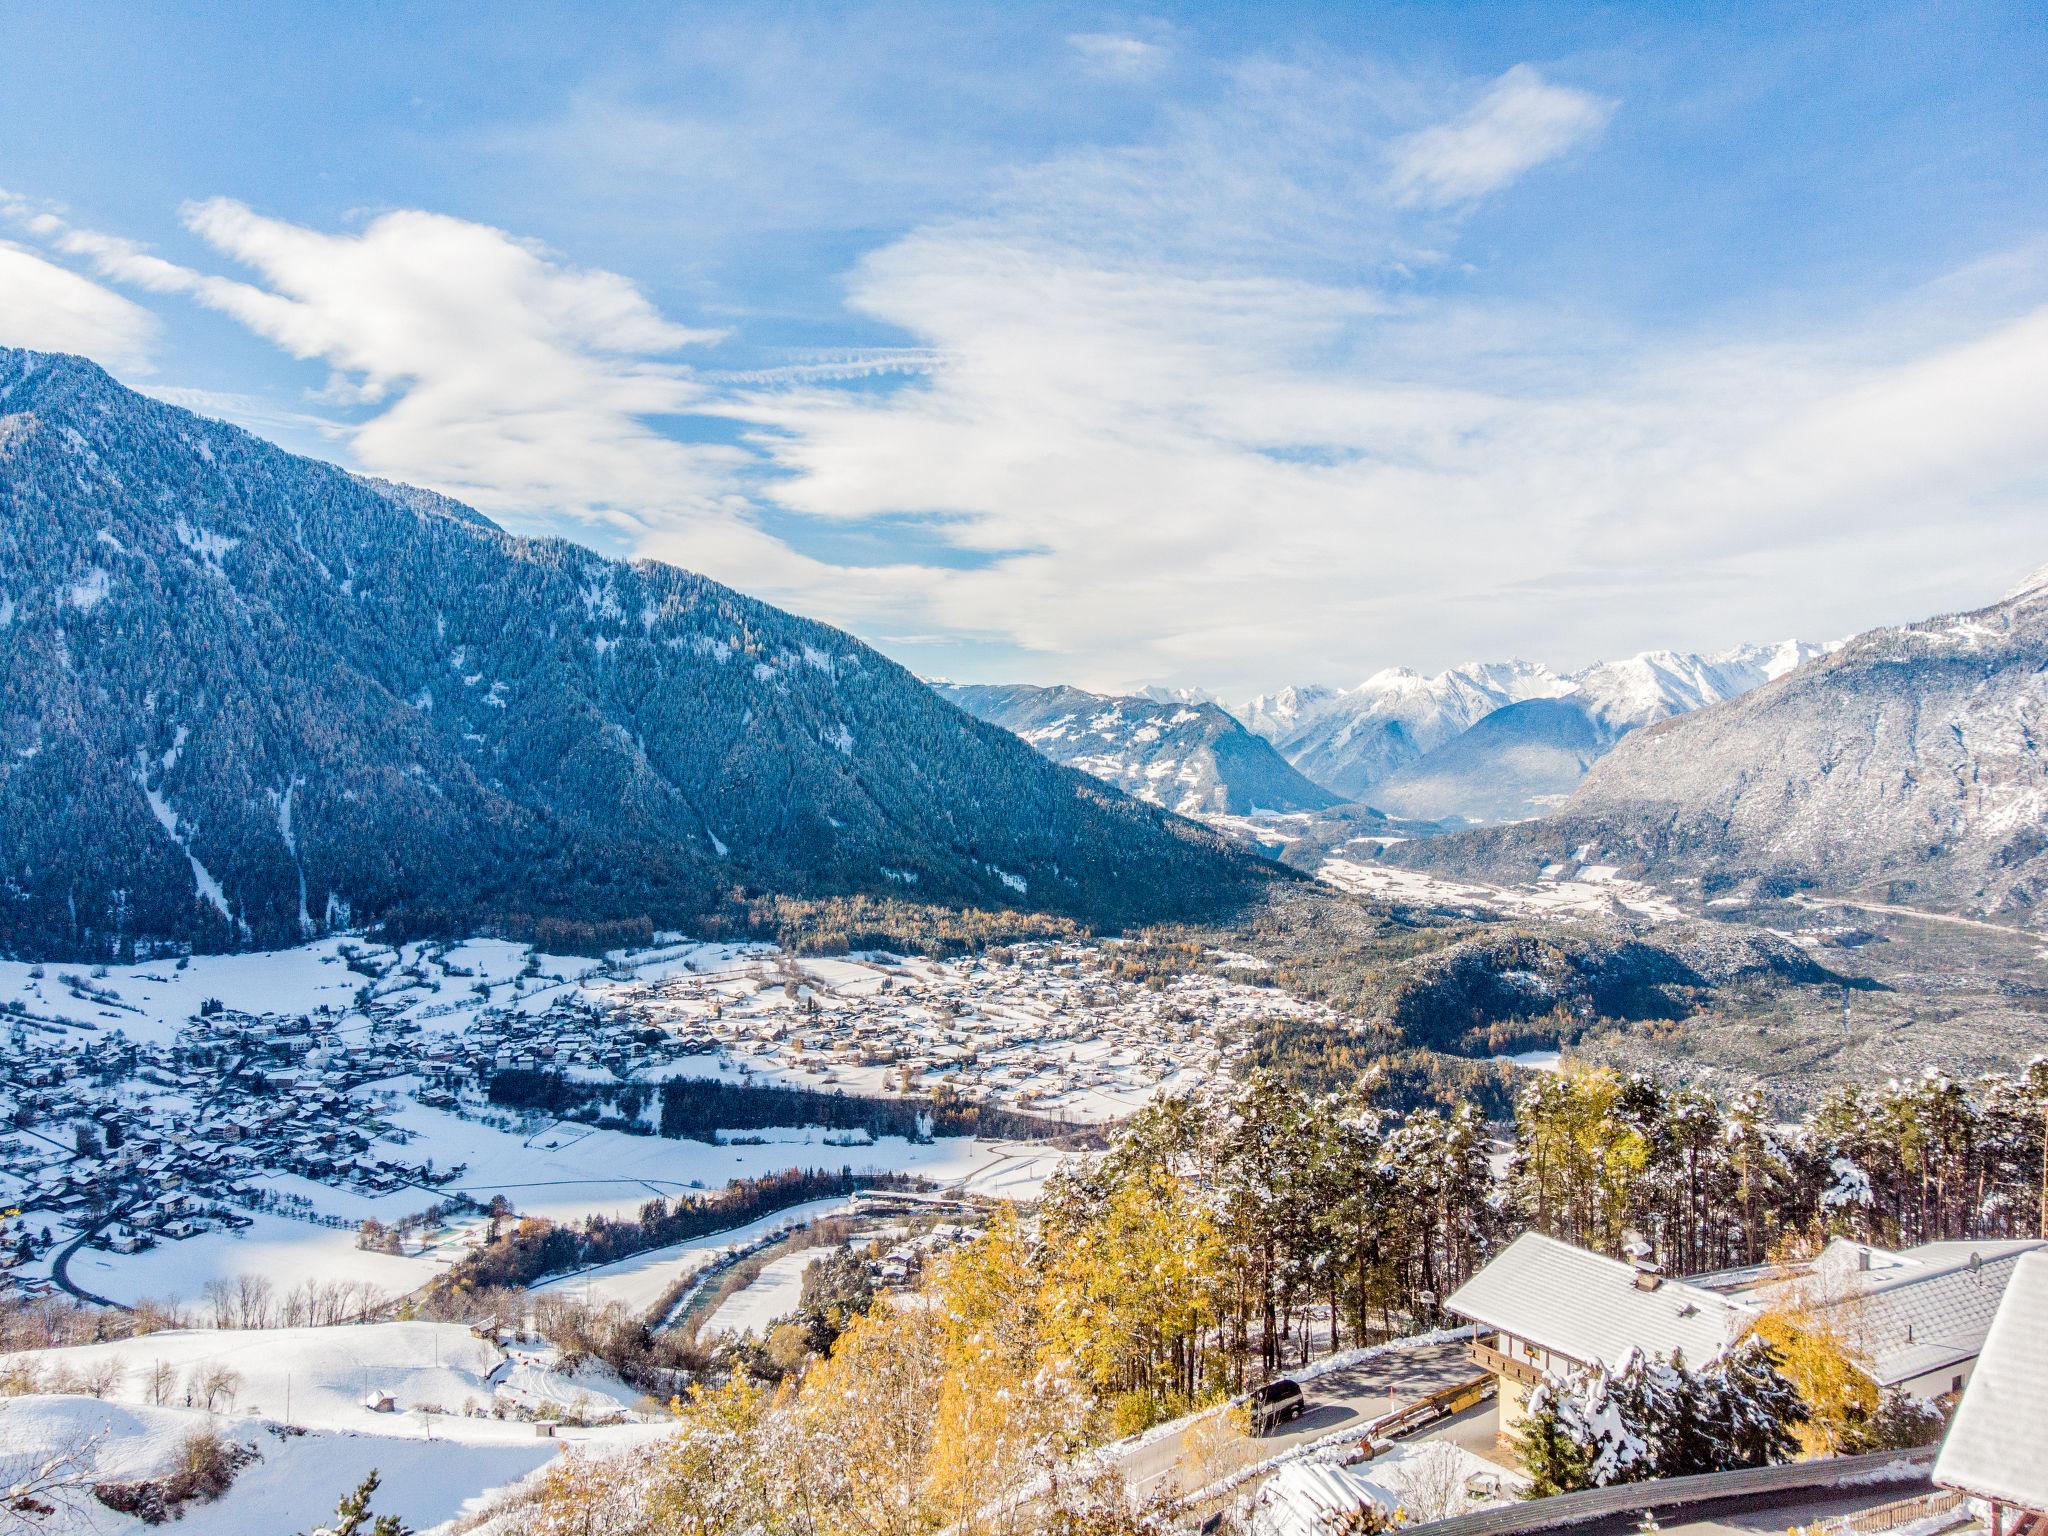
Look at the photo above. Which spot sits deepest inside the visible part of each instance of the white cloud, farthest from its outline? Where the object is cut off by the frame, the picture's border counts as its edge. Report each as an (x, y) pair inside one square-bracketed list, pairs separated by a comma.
[(1521, 121), (1235, 481), (1117, 54), (497, 372), (52, 309), (1179, 415)]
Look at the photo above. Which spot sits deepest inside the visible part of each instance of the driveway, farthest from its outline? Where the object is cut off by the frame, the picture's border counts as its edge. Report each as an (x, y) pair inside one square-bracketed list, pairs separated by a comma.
[(1355, 1395)]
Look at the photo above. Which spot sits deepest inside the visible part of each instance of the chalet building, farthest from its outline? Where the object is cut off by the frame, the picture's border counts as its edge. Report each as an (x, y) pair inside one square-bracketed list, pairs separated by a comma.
[(1544, 1307), (1997, 1447), (1920, 1315)]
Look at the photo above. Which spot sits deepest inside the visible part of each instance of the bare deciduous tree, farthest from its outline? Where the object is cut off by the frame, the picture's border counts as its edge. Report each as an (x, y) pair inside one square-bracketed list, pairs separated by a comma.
[(213, 1387), (47, 1485)]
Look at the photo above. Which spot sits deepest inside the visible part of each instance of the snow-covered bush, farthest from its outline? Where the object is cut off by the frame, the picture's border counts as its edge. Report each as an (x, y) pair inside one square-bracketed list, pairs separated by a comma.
[(1652, 1417)]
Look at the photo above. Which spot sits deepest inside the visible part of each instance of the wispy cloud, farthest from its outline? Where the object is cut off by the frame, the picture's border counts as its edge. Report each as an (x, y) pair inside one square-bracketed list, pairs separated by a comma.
[(489, 367), (1218, 474), (1118, 55), (52, 309), (1521, 121)]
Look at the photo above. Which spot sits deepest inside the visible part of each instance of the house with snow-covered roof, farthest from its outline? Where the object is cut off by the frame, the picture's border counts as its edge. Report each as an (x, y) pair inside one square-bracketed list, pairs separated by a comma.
[(1919, 1317), (1997, 1447), (1544, 1307)]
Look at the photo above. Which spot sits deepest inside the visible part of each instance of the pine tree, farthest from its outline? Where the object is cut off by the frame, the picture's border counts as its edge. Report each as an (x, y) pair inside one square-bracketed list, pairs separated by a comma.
[(352, 1515), (1549, 1450)]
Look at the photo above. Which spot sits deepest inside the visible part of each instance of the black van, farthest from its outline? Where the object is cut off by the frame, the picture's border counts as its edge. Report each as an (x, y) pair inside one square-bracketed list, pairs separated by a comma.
[(1277, 1402)]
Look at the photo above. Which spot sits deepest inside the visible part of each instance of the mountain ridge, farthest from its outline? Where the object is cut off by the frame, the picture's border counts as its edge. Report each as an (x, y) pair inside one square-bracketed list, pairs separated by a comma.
[(247, 696), (1906, 765), (1184, 754)]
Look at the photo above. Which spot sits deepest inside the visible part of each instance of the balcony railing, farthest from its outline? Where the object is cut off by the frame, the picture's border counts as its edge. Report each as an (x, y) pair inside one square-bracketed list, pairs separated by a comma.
[(1488, 1358)]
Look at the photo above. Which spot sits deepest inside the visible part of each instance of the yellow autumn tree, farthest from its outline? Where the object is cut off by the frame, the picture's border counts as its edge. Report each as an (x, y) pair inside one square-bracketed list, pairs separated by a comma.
[(1814, 1323), (863, 1424), (708, 1478), (1130, 1298), (1009, 1406)]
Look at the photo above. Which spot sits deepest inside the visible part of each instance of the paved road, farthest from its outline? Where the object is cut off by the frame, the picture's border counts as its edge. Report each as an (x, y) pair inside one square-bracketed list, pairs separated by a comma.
[(1353, 1396), (2010, 930), (60, 1268)]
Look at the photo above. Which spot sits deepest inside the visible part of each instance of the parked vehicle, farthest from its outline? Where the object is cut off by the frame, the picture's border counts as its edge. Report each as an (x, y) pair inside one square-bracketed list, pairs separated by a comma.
[(1277, 1402)]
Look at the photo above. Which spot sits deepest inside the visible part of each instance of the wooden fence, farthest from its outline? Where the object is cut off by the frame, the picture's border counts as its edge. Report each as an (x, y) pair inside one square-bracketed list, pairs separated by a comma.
[(1885, 1517)]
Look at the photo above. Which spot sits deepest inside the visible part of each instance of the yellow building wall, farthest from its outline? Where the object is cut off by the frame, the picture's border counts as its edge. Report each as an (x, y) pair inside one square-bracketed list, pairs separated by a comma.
[(1513, 1399)]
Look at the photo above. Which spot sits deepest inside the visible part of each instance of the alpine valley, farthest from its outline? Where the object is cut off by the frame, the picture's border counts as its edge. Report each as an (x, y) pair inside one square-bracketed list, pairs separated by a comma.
[(420, 943), (842, 877)]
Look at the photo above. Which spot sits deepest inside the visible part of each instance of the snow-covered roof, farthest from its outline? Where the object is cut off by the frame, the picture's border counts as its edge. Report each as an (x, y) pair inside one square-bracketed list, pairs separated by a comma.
[(1589, 1308), (1914, 1312), (1306, 1498), (1994, 1447), (1935, 1310)]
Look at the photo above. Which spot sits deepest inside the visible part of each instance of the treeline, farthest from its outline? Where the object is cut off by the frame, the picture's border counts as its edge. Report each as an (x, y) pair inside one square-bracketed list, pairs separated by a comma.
[(802, 925), (696, 1109), (1600, 1157), (1322, 1057), (532, 1247), (1222, 1236), (835, 925)]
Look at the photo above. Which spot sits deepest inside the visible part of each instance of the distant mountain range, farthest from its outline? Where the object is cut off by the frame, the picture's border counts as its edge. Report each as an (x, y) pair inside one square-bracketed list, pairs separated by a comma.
[(1188, 756), (1488, 741), (1525, 758), (1496, 740), (1350, 739), (246, 697), (1907, 766)]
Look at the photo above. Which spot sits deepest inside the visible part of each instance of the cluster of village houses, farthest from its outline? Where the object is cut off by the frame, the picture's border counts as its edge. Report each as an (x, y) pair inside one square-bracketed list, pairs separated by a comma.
[(1050, 1029), (136, 1144)]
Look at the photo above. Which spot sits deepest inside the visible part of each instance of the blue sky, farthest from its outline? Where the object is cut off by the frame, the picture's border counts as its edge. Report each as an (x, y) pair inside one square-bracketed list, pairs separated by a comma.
[(1218, 346)]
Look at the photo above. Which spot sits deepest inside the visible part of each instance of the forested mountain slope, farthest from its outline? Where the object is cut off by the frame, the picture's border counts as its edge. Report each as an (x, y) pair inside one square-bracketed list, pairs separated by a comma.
[(245, 697), (1188, 756), (1907, 766)]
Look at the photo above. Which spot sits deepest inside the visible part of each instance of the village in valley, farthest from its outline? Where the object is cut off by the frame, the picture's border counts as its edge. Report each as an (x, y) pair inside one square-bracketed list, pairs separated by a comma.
[(146, 1107)]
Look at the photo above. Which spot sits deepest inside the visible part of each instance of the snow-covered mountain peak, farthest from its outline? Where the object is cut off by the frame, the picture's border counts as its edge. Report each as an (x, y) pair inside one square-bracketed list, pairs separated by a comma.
[(2033, 588), (1655, 685), (1356, 740), (1165, 746), (1348, 739)]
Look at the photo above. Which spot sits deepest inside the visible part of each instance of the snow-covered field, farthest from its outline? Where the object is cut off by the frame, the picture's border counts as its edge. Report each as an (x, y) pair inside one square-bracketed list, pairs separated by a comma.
[(291, 1486), (776, 1292), (298, 1398), (639, 1282), (287, 1253), (1593, 890)]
